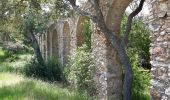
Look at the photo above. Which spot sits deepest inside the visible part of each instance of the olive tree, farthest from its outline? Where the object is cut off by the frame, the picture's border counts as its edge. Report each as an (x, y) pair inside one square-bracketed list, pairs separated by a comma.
[(111, 31)]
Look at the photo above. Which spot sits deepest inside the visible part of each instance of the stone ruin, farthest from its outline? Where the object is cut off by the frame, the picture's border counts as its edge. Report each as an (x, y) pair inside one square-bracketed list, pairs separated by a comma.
[(64, 36), (160, 49)]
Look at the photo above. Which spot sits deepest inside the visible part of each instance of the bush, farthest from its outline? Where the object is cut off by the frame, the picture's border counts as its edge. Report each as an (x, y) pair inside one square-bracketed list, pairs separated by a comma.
[(140, 86), (139, 41), (51, 71), (87, 31), (79, 71), (138, 53)]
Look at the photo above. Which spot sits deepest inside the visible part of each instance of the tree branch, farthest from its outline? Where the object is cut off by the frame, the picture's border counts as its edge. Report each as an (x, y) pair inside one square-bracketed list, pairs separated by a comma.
[(98, 10), (129, 22), (78, 10), (98, 18)]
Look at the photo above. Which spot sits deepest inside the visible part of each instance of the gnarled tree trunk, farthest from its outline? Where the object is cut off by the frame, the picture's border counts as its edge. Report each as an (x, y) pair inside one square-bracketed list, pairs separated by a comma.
[(34, 43), (108, 19)]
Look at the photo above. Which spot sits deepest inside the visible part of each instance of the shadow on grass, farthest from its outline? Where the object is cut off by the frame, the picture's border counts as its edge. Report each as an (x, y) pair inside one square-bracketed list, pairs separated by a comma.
[(3, 55), (13, 62), (35, 90)]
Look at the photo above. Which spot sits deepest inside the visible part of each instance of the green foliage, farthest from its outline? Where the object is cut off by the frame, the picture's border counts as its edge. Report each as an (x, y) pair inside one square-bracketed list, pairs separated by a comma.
[(138, 49), (3, 55), (51, 71), (34, 21), (139, 41), (140, 87), (79, 71), (87, 31), (18, 15), (13, 62), (15, 87), (140, 32)]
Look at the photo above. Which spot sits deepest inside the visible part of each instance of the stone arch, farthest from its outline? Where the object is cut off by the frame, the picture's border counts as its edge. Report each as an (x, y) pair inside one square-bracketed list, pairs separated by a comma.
[(66, 42), (159, 26), (54, 43), (50, 40), (48, 44), (44, 45), (79, 30)]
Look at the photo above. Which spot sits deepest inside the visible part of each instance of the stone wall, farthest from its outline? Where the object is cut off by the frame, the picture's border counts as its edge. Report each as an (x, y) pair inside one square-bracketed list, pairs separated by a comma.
[(108, 76), (160, 49), (109, 72), (62, 38)]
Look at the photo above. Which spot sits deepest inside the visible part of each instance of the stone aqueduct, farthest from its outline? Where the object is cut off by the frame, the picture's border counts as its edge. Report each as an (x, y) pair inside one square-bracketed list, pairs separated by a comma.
[(64, 36)]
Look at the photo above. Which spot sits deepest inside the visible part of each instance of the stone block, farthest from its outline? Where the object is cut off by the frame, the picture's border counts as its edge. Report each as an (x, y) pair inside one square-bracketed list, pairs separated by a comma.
[(167, 91), (167, 37), (156, 50)]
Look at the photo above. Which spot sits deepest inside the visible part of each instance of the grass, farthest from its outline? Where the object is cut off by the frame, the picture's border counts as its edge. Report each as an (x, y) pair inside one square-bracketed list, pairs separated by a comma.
[(20, 88), (2, 55), (13, 62), (14, 86)]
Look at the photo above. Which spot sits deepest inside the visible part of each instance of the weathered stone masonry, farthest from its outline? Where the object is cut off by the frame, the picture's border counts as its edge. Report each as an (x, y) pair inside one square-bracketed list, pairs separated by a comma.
[(160, 49), (64, 36)]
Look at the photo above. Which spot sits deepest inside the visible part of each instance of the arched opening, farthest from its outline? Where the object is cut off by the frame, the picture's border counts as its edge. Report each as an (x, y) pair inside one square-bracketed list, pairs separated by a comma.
[(66, 42), (54, 43), (80, 31), (44, 45), (48, 44)]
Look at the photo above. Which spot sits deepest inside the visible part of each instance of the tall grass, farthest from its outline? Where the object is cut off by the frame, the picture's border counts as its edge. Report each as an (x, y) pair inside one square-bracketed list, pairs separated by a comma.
[(13, 62), (31, 89), (18, 87)]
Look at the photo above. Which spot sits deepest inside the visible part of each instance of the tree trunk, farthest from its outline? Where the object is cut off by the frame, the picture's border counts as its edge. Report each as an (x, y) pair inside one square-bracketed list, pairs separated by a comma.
[(108, 70), (120, 48), (34, 43)]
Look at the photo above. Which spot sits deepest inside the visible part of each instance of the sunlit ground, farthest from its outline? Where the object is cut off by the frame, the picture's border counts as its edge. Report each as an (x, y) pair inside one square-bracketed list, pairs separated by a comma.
[(17, 87), (14, 86)]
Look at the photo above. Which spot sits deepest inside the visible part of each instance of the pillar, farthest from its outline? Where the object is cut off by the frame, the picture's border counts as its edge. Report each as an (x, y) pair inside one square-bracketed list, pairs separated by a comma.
[(160, 49)]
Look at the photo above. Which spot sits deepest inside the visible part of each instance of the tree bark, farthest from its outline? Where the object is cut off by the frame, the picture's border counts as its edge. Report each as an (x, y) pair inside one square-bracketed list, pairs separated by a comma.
[(34, 43), (120, 48), (117, 43)]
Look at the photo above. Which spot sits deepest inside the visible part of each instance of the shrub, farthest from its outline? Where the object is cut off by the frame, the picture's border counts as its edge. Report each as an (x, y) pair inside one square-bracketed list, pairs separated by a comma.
[(138, 52), (80, 69), (87, 31), (138, 32), (51, 71), (140, 86)]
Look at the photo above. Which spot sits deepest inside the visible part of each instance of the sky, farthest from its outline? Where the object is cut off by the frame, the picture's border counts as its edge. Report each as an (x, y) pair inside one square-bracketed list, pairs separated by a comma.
[(145, 10)]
